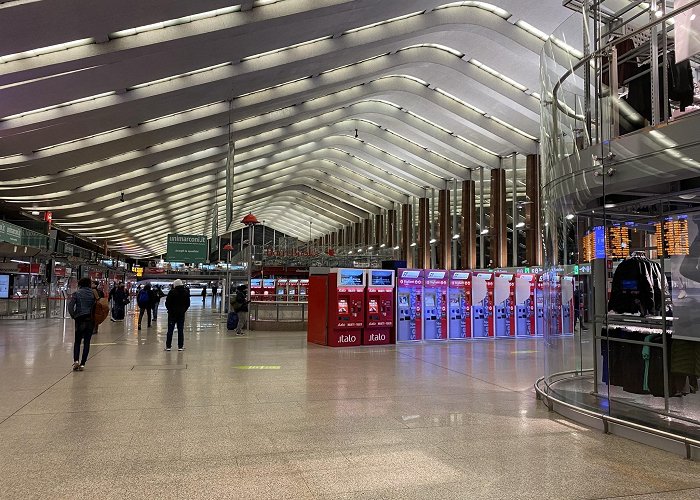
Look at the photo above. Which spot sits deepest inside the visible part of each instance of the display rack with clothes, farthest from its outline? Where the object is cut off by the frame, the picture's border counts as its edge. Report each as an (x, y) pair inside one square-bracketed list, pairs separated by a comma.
[(636, 287)]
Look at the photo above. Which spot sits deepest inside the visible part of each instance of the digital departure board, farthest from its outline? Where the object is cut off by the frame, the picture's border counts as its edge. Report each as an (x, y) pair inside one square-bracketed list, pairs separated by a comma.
[(618, 242), (674, 236), (594, 244)]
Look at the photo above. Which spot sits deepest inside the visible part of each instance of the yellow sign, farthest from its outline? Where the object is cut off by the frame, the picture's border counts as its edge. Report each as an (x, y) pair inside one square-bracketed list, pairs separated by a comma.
[(139, 271), (258, 367)]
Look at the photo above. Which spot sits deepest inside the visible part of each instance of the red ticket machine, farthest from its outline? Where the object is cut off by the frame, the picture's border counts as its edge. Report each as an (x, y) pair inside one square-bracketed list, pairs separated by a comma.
[(379, 307), (435, 304), (336, 306), (293, 290), (256, 289), (409, 306), (482, 305), (460, 298), (268, 289), (303, 290), (281, 290)]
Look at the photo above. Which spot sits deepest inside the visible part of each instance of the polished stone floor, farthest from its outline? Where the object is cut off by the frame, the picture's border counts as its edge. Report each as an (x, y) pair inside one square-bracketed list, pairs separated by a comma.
[(268, 416)]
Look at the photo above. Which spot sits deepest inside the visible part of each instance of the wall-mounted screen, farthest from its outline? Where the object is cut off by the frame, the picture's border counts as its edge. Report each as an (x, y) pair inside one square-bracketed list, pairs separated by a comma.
[(381, 278), (4, 286), (351, 277)]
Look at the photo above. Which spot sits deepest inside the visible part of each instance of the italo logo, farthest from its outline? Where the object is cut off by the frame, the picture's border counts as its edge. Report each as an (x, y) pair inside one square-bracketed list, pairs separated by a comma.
[(347, 339), (376, 337)]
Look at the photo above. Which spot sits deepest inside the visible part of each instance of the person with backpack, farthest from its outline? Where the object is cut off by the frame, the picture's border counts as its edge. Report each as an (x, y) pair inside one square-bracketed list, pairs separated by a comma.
[(177, 302), (157, 295), (144, 300), (81, 308)]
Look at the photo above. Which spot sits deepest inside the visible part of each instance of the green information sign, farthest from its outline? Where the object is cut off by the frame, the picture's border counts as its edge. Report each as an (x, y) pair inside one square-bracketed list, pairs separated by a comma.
[(10, 233), (187, 248)]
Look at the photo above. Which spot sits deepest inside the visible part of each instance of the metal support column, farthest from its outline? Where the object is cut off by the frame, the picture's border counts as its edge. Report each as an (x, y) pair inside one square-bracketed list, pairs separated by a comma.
[(423, 233), (444, 230), (498, 229), (514, 212), (406, 251), (533, 221), (468, 231), (482, 221)]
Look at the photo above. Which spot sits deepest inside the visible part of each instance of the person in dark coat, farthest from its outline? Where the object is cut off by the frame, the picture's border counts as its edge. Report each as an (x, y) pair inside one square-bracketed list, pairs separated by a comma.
[(239, 304), (120, 298), (81, 306), (157, 295), (144, 299), (177, 302)]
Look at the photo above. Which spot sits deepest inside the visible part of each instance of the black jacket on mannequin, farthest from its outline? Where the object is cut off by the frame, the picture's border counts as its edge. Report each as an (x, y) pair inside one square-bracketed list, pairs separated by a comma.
[(636, 287)]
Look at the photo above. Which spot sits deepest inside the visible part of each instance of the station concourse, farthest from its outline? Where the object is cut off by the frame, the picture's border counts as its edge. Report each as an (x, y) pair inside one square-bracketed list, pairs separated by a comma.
[(418, 249)]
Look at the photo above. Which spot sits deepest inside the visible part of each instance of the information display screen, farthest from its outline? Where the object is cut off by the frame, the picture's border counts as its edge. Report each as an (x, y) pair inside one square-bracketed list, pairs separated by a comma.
[(618, 242), (673, 237), (255, 283), (4, 286), (268, 283), (351, 277)]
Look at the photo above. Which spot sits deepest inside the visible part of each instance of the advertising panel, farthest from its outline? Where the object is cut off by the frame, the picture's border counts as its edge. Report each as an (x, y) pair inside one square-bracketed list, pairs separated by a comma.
[(4, 286), (187, 248)]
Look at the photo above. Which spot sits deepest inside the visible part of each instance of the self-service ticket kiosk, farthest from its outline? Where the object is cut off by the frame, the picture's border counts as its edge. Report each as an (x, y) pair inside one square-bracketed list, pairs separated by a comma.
[(303, 290), (256, 289), (504, 305), (379, 307), (567, 305), (435, 286), (293, 290), (539, 305), (409, 305), (459, 310), (525, 285), (268, 289), (336, 306), (281, 290), (482, 305)]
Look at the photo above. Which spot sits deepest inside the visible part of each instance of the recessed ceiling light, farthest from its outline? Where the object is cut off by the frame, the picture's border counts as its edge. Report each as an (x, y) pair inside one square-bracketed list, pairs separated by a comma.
[(34, 212), (520, 224), (414, 244), (570, 217), (455, 237), (433, 240)]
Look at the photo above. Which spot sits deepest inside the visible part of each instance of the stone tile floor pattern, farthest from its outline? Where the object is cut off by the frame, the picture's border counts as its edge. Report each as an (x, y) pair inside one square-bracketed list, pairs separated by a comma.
[(435, 421)]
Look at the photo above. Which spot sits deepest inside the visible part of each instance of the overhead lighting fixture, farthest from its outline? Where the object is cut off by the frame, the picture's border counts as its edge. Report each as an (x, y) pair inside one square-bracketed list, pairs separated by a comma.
[(686, 196), (396, 247), (570, 217), (382, 245), (485, 231), (609, 205), (370, 248), (455, 237), (359, 250), (46, 50), (350, 252), (520, 224), (34, 212), (433, 240), (414, 244)]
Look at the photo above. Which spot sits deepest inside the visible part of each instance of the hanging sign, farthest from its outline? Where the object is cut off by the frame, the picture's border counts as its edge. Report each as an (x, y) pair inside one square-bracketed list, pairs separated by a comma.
[(187, 248)]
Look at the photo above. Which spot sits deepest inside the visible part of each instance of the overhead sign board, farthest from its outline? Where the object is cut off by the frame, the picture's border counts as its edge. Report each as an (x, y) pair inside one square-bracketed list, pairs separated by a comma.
[(10, 233), (187, 248)]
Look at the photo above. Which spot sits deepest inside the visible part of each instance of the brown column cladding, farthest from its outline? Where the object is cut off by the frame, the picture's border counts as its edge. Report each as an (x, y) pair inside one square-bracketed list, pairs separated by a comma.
[(366, 231), (406, 252), (379, 232), (499, 231), (533, 221), (334, 239), (468, 231), (340, 238), (423, 233), (349, 233), (391, 228), (444, 229), (358, 234)]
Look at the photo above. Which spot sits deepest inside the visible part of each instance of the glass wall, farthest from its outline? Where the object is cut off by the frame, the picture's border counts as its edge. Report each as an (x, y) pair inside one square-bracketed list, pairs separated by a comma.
[(621, 200)]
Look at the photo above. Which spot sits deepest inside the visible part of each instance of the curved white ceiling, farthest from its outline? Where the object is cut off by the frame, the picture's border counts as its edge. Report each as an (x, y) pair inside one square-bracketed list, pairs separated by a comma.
[(337, 109)]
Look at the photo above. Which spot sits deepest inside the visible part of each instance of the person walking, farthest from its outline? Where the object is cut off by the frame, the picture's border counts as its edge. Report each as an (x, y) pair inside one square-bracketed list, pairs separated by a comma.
[(81, 308), (177, 302), (204, 294), (144, 299), (120, 298), (239, 304), (157, 295)]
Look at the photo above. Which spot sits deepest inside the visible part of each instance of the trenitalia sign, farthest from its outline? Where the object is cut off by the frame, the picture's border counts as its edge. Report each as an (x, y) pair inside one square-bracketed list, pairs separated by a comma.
[(187, 248)]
